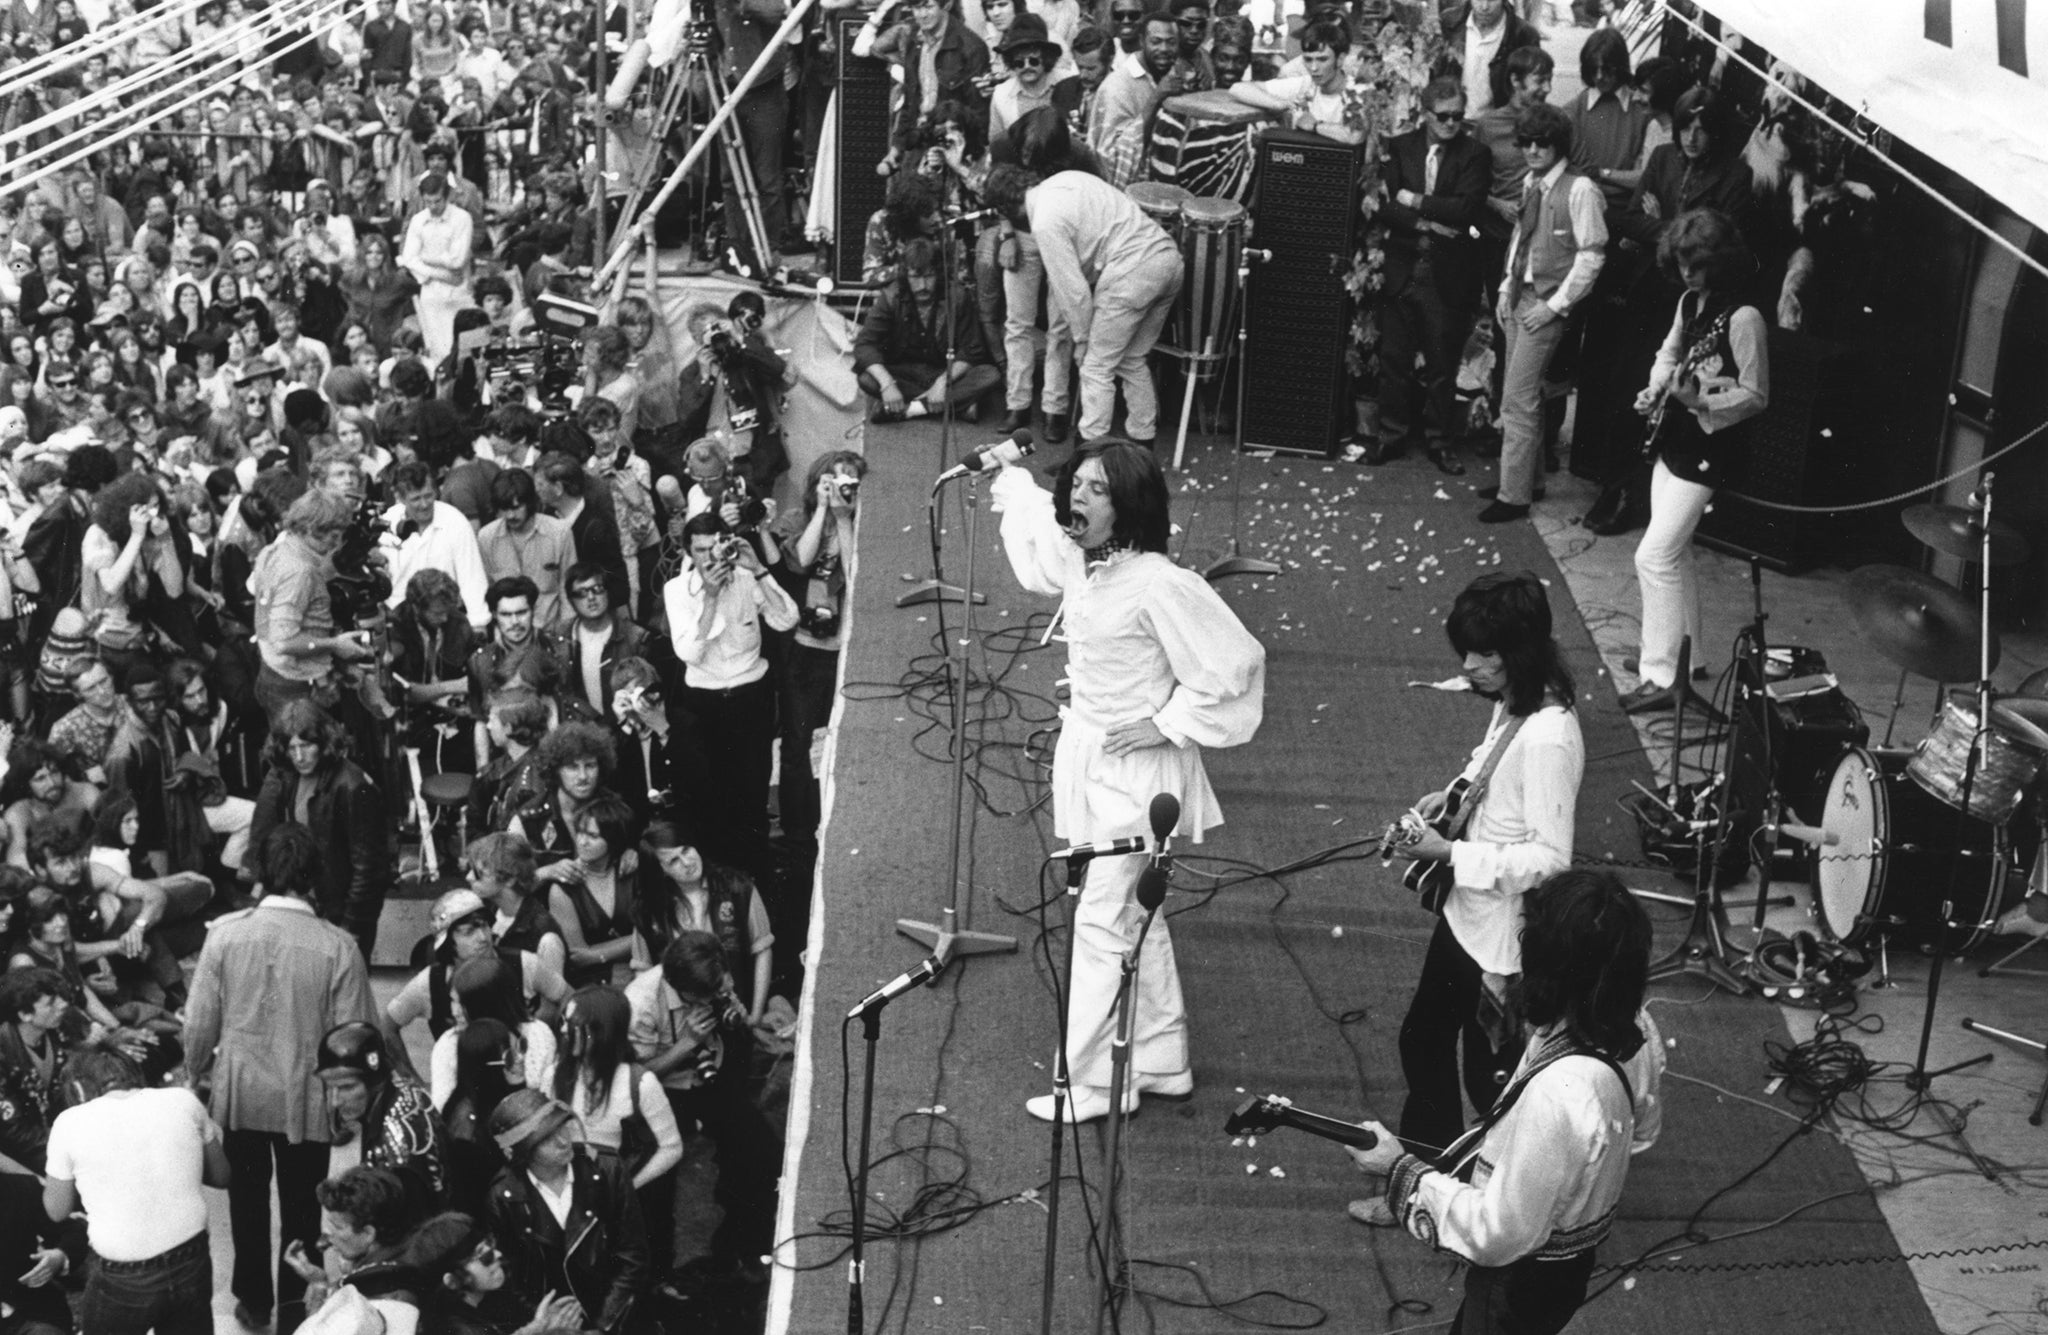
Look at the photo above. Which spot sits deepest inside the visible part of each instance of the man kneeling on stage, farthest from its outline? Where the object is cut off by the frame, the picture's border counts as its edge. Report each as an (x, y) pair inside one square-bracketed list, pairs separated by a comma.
[(1548, 1163), (921, 344), (1159, 667)]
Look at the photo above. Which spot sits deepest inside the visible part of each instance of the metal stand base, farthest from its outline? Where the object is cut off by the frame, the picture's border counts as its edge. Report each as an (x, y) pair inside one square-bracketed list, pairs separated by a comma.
[(946, 942), (2017, 1040), (1702, 953), (937, 591), (1235, 563)]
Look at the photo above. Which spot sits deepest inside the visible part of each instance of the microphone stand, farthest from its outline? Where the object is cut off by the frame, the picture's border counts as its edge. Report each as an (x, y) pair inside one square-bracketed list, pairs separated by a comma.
[(1233, 562), (1114, 1262), (856, 1266), (949, 936), (935, 589)]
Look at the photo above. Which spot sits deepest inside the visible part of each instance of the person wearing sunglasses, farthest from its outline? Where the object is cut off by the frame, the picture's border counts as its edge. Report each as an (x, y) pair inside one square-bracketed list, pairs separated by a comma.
[(465, 1292), (1126, 25), (1436, 178)]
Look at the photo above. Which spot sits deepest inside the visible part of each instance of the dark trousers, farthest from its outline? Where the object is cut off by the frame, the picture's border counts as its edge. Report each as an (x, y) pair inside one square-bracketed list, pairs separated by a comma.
[(1414, 320), (1530, 1297), (1443, 1014), (749, 1162), (300, 1168), (734, 730), (809, 679), (763, 117), (914, 378), (171, 1293)]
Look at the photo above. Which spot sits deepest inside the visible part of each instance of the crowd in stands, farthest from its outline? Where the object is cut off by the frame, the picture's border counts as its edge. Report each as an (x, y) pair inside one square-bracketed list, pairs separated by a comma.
[(327, 565)]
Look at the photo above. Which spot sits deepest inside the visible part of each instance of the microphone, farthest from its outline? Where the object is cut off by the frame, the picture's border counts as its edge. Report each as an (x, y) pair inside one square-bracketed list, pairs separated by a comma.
[(1008, 451), (1108, 849), (897, 986), (1152, 882), (1255, 253), (973, 215)]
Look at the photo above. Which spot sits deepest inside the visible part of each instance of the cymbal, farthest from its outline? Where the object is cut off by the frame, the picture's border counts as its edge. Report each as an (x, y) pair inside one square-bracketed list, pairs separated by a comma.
[(1958, 531), (1918, 622), (2022, 718)]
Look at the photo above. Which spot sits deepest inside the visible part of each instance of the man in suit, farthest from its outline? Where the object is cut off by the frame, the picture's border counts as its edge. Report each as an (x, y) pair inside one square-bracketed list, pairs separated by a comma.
[(1479, 36), (1437, 179), (251, 1037)]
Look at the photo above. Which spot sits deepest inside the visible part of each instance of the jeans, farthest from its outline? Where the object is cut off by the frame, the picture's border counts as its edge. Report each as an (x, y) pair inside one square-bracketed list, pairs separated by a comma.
[(1022, 287), (749, 1164), (763, 116), (1529, 1297), (300, 1169), (1131, 307), (171, 1293), (1664, 570), (1521, 401), (1443, 1014)]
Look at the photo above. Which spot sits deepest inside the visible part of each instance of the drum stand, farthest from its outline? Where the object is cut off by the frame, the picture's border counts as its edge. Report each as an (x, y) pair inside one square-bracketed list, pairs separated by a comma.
[(1921, 1080), (1704, 952), (1234, 562)]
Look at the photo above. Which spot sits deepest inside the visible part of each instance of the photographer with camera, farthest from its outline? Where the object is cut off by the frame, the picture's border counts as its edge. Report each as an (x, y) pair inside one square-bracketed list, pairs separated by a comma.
[(817, 549), (732, 389), (715, 612), (295, 626)]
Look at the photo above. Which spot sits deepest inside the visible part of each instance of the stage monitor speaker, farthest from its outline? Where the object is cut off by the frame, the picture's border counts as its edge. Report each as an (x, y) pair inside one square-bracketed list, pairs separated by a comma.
[(1297, 312), (863, 137), (1802, 450), (1802, 737)]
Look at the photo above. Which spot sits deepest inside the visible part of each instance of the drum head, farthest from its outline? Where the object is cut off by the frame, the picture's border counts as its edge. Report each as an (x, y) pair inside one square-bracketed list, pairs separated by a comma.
[(1846, 871), (1211, 214), (1158, 198)]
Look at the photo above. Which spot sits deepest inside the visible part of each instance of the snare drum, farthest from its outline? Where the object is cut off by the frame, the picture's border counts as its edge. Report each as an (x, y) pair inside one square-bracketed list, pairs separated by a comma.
[(2003, 770), (1211, 247), (1161, 203), (1893, 852)]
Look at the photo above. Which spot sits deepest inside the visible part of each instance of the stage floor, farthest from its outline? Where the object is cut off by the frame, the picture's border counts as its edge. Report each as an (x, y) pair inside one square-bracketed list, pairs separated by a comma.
[(1295, 985)]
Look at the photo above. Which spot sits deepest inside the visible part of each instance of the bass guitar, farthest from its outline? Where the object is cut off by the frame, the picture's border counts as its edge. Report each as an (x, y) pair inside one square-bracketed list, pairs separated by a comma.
[(1257, 1116)]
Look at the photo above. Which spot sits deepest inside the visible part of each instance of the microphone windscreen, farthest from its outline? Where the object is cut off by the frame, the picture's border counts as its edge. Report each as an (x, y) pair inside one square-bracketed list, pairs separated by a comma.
[(1151, 888), (1165, 815)]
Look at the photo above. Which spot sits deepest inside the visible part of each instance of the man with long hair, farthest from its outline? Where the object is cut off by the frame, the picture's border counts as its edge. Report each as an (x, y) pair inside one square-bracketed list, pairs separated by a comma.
[(1518, 795), (1159, 668), (1549, 1163)]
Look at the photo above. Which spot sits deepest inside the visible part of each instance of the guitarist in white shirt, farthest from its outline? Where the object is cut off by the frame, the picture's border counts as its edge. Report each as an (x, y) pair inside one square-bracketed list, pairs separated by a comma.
[(1525, 778)]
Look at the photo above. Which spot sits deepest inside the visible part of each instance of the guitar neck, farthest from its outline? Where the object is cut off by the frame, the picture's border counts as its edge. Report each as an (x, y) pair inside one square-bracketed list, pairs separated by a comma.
[(1329, 1128)]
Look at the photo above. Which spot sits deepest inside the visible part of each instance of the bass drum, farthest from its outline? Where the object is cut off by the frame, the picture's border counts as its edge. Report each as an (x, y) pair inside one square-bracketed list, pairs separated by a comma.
[(1898, 861)]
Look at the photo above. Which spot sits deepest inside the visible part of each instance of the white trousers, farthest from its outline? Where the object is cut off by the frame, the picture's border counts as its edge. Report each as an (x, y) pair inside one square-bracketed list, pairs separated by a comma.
[(1106, 923), (232, 817), (1664, 572)]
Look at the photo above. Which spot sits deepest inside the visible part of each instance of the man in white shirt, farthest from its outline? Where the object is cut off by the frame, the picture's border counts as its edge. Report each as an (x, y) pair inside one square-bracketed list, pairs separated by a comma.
[(715, 610), (1124, 104), (433, 535), (1113, 273), (134, 1159), (284, 316), (437, 253)]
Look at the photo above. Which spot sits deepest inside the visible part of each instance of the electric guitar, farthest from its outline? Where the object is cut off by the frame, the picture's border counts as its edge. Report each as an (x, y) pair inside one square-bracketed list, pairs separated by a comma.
[(1430, 881), (1257, 1116), (1696, 356)]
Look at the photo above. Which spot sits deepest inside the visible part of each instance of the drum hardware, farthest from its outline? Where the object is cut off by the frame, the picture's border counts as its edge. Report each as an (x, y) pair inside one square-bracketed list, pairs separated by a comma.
[(1234, 562), (1212, 233), (1956, 530), (2020, 1041), (1703, 952)]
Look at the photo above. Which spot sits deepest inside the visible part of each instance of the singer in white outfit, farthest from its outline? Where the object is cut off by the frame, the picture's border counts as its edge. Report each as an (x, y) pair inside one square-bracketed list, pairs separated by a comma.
[(1158, 667)]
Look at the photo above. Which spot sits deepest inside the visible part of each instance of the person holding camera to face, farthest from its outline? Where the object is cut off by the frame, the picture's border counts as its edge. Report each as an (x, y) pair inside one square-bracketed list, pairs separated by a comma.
[(716, 609), (817, 549), (732, 389)]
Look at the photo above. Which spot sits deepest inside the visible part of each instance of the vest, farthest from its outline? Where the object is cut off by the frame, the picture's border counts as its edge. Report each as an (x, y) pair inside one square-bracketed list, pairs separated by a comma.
[(1555, 243)]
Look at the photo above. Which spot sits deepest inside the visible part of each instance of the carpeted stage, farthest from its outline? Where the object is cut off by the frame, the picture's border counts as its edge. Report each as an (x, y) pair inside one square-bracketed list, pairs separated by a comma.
[(1295, 986)]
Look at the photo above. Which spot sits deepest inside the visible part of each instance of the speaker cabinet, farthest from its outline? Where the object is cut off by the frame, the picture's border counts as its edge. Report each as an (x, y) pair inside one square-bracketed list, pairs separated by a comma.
[(1802, 450), (1297, 313), (863, 137)]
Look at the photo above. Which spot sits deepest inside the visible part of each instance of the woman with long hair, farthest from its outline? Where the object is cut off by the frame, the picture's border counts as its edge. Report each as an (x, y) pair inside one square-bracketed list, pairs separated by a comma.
[(621, 1104), (490, 987), (1515, 802), (591, 895), (431, 641), (312, 782), (490, 1062), (379, 294), (680, 891), (128, 558), (1712, 376)]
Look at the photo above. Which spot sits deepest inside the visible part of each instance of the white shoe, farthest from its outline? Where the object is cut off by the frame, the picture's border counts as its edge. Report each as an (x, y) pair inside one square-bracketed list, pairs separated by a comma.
[(1085, 1103), (1373, 1212), (1176, 1086)]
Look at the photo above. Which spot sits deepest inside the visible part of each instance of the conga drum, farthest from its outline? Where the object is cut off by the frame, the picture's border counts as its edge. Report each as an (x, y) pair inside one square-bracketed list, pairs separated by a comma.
[(1161, 203), (1211, 247), (1201, 142)]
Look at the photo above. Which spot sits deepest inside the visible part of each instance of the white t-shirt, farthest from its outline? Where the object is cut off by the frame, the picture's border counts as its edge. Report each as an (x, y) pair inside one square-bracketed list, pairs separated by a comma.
[(136, 1156)]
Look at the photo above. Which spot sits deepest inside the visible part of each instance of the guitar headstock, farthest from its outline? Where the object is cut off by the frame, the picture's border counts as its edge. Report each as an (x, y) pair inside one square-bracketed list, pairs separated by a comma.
[(1258, 1115)]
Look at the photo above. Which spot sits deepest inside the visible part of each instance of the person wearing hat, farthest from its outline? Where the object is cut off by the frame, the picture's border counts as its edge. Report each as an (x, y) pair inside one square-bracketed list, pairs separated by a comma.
[(564, 1212), (383, 1116), (1032, 57), (251, 1037), (463, 923)]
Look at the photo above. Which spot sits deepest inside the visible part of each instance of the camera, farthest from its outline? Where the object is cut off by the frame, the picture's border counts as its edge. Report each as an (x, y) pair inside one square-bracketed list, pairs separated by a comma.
[(753, 510), (820, 619), (724, 347), (357, 588), (730, 547), (848, 488)]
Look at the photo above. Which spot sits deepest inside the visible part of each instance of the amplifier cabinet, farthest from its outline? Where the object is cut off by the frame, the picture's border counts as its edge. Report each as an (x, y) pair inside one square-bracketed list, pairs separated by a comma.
[(863, 138)]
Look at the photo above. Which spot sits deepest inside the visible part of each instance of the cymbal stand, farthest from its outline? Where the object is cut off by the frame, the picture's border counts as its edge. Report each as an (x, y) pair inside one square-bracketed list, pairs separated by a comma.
[(1921, 1080), (1768, 817), (1233, 562), (1704, 952)]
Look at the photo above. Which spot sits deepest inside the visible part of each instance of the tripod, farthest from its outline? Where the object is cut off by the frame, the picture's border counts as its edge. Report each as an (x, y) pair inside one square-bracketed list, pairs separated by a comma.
[(699, 61), (1233, 562)]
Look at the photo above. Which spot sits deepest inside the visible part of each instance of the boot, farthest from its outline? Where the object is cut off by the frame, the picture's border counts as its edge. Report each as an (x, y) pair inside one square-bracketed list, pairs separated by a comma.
[(1612, 499)]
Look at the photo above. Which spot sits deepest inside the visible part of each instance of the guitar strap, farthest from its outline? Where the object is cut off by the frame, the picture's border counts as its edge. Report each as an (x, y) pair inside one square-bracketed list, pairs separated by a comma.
[(1458, 1157), (1476, 793)]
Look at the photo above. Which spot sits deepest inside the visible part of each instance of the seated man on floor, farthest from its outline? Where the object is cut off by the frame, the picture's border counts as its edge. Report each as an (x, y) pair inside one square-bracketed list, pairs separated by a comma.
[(900, 356)]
